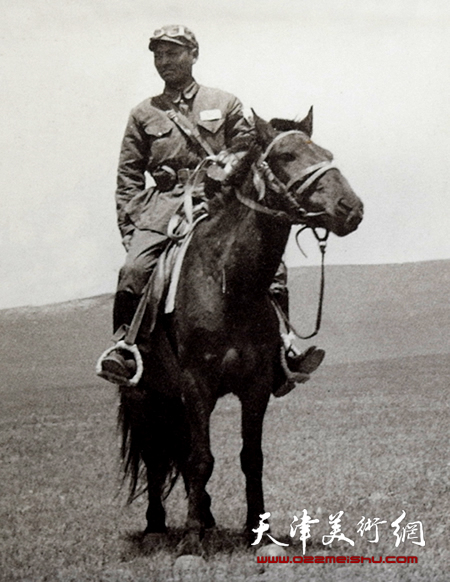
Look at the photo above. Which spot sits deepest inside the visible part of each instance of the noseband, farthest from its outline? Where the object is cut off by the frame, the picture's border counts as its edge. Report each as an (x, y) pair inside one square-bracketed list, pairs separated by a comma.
[(263, 177)]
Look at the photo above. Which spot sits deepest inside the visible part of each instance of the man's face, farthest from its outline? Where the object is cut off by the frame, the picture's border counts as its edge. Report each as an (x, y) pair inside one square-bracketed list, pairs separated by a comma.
[(174, 63)]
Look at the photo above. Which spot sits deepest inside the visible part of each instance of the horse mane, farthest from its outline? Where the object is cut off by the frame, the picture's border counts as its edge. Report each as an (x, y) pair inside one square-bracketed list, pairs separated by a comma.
[(287, 124), (241, 170), (305, 125)]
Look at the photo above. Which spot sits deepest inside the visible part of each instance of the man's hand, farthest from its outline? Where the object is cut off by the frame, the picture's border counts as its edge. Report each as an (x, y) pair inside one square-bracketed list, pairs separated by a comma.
[(227, 160), (223, 164)]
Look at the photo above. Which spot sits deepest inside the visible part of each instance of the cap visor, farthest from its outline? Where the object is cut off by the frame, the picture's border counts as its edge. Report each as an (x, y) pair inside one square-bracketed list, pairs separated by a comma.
[(154, 41)]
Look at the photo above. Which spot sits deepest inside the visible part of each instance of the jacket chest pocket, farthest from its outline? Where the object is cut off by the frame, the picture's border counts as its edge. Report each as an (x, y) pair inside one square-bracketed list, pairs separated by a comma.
[(161, 134), (214, 132), (158, 128)]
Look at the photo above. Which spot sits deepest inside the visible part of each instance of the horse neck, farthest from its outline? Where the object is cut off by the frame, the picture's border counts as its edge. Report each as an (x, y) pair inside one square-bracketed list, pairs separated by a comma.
[(254, 248)]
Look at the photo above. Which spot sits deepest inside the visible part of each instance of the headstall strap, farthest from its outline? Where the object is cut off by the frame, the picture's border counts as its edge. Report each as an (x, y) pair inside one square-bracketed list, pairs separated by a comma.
[(263, 178), (278, 138), (316, 171)]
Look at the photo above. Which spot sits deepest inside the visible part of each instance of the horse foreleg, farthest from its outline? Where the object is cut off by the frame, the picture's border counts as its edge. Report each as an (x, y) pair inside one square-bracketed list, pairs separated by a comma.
[(253, 410), (199, 466), (207, 516)]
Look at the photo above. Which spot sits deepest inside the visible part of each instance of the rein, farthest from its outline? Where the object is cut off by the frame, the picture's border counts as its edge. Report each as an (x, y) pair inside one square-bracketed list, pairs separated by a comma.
[(264, 177), (322, 240)]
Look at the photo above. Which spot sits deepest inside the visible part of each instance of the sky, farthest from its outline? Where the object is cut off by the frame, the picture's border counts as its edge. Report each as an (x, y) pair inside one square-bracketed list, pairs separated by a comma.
[(376, 71)]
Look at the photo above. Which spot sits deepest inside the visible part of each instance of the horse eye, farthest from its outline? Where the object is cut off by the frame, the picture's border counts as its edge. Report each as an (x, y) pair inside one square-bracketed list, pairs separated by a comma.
[(286, 157)]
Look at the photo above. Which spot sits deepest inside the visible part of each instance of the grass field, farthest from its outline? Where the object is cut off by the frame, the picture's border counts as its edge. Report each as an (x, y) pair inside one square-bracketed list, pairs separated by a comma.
[(368, 435)]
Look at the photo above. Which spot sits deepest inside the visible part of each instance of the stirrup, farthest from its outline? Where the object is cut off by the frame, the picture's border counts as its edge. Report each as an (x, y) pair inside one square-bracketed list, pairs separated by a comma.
[(309, 360), (114, 378), (291, 383), (313, 357)]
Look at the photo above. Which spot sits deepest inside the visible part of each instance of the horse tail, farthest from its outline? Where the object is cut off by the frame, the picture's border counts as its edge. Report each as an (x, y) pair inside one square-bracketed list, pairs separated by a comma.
[(154, 440), (130, 449)]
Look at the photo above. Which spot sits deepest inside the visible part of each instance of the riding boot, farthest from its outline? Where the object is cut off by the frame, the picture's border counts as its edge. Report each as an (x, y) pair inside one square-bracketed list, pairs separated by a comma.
[(300, 364), (118, 363), (125, 305)]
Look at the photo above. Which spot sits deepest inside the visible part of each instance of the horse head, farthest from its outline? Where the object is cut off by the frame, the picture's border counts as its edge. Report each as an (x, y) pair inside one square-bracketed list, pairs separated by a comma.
[(300, 179)]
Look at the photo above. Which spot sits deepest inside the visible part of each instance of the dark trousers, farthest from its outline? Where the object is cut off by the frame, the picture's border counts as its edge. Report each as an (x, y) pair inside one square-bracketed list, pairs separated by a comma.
[(142, 256)]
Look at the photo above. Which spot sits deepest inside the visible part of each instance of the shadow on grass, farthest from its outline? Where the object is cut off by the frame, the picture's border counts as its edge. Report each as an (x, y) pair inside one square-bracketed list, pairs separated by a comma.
[(216, 540)]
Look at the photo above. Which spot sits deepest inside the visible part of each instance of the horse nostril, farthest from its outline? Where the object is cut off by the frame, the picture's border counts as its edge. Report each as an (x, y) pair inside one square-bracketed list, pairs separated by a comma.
[(354, 220), (344, 206)]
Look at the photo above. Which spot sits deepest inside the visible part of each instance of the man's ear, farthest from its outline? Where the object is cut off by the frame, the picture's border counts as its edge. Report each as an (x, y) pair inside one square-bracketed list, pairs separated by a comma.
[(194, 53)]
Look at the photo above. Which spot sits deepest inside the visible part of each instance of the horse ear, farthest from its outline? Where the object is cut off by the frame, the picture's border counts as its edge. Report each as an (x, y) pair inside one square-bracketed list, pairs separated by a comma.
[(306, 125), (264, 131)]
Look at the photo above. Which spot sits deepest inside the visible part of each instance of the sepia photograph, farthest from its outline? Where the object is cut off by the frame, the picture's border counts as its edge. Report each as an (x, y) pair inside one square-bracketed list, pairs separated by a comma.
[(224, 309)]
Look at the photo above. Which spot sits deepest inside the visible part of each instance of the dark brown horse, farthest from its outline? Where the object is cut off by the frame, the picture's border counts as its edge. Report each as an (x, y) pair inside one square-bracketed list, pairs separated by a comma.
[(224, 334)]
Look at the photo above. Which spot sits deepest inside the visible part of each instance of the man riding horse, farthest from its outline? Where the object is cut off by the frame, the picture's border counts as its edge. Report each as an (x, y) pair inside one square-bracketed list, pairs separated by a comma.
[(167, 136)]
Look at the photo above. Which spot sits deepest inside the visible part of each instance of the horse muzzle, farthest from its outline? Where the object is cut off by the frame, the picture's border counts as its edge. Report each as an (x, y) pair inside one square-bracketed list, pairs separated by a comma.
[(342, 219), (346, 218)]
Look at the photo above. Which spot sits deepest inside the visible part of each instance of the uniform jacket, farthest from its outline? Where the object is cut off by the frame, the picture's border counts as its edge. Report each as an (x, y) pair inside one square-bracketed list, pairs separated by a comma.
[(152, 140)]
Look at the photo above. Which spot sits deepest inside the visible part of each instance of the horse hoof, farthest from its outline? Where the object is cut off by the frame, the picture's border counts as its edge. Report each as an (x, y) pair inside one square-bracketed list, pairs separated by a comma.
[(155, 530), (156, 536), (249, 536)]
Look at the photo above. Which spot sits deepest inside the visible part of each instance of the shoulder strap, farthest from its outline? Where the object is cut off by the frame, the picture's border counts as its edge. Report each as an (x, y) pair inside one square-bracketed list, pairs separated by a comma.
[(183, 123)]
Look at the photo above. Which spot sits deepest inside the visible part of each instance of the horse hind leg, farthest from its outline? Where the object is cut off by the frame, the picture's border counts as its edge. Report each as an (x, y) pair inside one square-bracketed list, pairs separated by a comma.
[(167, 457), (158, 437), (156, 514)]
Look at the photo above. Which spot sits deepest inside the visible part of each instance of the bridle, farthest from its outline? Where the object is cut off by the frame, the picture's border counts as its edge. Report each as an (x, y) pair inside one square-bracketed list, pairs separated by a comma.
[(263, 178)]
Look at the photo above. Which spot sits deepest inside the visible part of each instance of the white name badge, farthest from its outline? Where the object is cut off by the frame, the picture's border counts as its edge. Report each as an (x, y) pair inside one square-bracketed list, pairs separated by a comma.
[(210, 114)]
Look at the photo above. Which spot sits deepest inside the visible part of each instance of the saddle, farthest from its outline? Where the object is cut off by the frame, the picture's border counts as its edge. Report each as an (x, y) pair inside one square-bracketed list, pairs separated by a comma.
[(167, 272), (161, 287)]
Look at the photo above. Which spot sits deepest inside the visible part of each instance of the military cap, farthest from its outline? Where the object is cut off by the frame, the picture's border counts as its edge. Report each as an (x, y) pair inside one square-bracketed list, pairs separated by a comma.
[(175, 33)]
